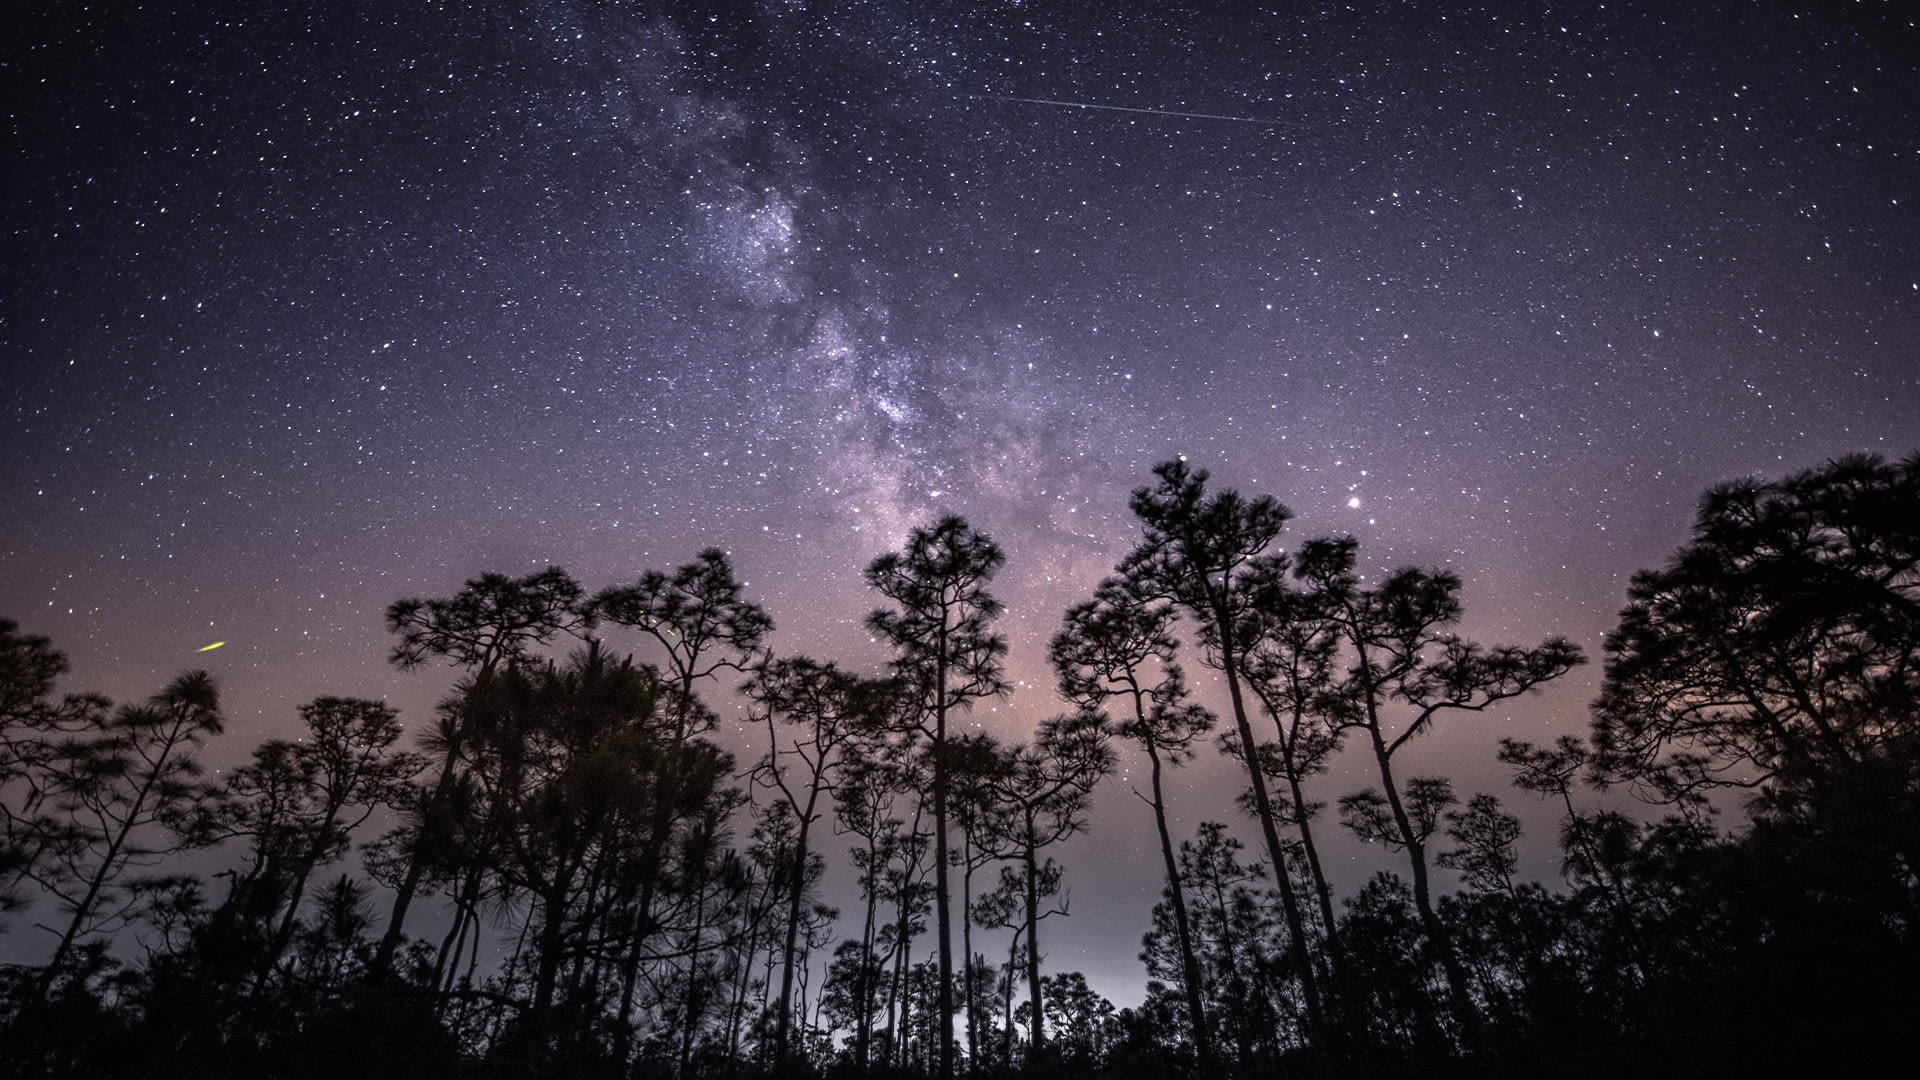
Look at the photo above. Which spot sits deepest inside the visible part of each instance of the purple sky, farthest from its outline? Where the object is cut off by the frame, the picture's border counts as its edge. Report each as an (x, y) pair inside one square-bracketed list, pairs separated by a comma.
[(304, 312)]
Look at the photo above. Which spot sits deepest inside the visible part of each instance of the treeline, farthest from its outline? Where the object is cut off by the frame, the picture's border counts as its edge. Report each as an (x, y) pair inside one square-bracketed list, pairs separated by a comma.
[(579, 881)]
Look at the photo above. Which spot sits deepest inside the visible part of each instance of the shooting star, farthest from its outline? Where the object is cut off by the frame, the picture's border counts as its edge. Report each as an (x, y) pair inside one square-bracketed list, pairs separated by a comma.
[(1123, 108), (210, 648)]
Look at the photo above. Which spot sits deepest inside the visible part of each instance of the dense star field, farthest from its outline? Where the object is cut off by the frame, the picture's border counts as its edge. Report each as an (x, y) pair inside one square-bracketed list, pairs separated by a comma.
[(306, 311)]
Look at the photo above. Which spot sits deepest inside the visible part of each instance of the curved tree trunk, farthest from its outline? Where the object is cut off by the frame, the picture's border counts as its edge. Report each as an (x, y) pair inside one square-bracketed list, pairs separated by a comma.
[(1458, 997)]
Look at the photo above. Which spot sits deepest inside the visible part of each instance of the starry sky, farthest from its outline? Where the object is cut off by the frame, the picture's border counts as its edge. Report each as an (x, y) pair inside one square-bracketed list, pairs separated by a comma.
[(306, 309)]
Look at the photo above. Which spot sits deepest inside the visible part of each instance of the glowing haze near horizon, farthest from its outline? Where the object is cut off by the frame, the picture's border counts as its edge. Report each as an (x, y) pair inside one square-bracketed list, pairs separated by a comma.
[(308, 311)]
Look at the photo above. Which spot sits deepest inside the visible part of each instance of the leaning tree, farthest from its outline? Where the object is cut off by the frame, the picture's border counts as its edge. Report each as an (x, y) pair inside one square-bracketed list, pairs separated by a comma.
[(1407, 670), (1201, 551), (1119, 647)]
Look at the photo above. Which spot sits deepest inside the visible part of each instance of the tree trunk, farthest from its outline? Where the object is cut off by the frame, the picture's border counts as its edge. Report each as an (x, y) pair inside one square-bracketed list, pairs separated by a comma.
[(966, 951), (866, 986), (942, 901), (1457, 996), (1321, 892), (1263, 807), (546, 976), (661, 827), (99, 881), (694, 1002), (1189, 963), (798, 887), (382, 965), (1033, 945), (1006, 1033)]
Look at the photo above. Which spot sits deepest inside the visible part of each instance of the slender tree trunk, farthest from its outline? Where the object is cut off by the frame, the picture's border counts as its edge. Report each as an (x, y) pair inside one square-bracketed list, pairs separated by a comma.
[(1189, 963), (80, 912), (638, 931), (446, 967), (694, 1002), (768, 979), (382, 966), (98, 882), (546, 977), (640, 928), (1236, 984), (1263, 807), (1006, 1033), (793, 930), (1033, 943), (1321, 892), (466, 977), (1457, 994), (665, 796), (866, 985), (283, 935), (942, 900), (466, 909), (966, 950), (900, 1007), (901, 948), (592, 917), (743, 982)]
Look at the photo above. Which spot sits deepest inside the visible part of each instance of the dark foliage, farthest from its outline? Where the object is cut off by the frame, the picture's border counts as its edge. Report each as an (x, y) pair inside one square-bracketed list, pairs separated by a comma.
[(615, 896)]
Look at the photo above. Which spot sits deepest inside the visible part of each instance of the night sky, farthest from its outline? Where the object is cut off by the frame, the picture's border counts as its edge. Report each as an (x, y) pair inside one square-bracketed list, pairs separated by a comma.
[(307, 311)]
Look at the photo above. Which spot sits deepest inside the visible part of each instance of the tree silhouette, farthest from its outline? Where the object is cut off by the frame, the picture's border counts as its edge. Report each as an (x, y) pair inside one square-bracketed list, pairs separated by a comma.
[(1084, 1022), (903, 883), (1777, 650), (1777, 653), (864, 801), (121, 797), (830, 709), (1199, 551), (561, 760), (1485, 858), (1045, 789), (1234, 936), (1104, 651), (1396, 640), (847, 997), (973, 762), (493, 620), (702, 623), (946, 659), (1005, 907), (1596, 846), (32, 724), (301, 803), (1292, 665), (768, 867), (620, 908)]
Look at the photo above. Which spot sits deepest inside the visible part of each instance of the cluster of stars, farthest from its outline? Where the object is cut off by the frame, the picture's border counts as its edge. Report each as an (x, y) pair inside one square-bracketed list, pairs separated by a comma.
[(297, 326)]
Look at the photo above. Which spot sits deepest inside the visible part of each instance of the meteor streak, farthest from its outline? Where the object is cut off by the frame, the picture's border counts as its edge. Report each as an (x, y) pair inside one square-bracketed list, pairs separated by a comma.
[(210, 648), (1123, 108)]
